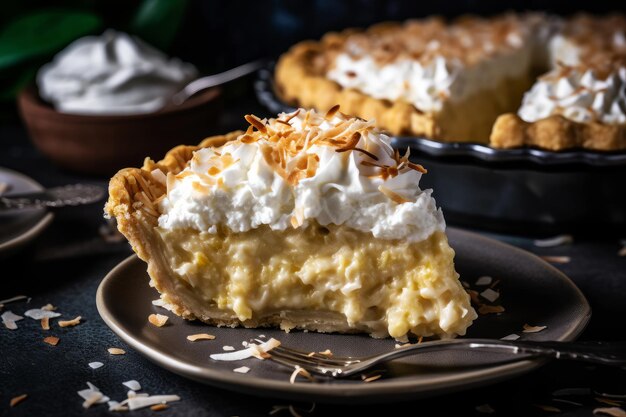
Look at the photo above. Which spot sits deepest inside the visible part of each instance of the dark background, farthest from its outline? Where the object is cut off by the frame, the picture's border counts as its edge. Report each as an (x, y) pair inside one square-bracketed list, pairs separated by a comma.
[(217, 34)]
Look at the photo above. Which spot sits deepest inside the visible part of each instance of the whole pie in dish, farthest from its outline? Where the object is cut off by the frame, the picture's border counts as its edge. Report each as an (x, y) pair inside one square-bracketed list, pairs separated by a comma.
[(451, 81), (307, 221)]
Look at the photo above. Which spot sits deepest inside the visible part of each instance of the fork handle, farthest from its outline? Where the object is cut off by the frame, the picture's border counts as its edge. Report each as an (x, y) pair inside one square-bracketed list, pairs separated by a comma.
[(603, 353)]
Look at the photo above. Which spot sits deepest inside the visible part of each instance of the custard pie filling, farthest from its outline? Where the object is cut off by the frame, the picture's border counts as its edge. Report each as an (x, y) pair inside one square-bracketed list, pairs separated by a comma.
[(308, 221), (335, 270)]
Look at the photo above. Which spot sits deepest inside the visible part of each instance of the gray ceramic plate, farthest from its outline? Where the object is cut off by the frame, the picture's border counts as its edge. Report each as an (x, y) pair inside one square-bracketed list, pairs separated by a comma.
[(532, 292), (18, 227)]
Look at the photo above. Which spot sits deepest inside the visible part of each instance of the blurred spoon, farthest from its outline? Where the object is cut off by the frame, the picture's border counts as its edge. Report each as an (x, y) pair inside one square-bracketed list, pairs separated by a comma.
[(209, 81), (69, 195)]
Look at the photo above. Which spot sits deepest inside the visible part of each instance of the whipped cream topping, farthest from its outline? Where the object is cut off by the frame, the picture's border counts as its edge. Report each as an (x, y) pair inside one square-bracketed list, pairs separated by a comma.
[(429, 84), (112, 74), (579, 95), (298, 168), (432, 66)]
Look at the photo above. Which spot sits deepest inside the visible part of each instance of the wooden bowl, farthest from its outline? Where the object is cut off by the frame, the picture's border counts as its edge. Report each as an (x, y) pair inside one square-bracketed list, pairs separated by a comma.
[(103, 144)]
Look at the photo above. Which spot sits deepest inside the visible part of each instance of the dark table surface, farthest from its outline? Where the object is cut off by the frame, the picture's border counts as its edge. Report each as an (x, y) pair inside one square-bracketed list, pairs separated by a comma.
[(67, 262)]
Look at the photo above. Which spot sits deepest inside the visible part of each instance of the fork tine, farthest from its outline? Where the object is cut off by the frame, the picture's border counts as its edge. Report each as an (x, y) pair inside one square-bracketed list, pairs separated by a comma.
[(304, 361), (301, 356), (312, 367)]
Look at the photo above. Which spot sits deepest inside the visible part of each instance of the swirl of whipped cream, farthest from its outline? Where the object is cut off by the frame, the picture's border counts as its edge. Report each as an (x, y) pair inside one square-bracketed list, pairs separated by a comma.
[(111, 74), (329, 169), (577, 94)]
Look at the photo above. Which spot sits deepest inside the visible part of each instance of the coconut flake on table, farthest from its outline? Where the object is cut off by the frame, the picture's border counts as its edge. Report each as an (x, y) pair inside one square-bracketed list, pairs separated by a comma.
[(132, 384), (511, 337), (92, 396), (248, 352), (160, 303), (13, 299), (116, 406), (490, 295), (228, 348), (95, 365), (610, 411), (484, 280), (136, 403), (554, 241), (9, 319), (242, 370), (533, 329), (38, 314), (556, 259)]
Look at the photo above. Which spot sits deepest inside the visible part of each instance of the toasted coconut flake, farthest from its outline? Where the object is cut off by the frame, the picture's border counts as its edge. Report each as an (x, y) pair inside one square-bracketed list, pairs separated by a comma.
[(242, 370), (258, 353), (93, 398), (608, 401), (351, 144), (292, 115), (228, 348), (138, 402), (159, 407), (331, 112), (200, 336), (52, 340), (9, 319), (38, 314), (95, 365), (49, 307), (483, 281), (610, 411), (511, 337), (116, 406), (327, 353), (487, 309), (490, 295), (116, 351), (157, 319), (393, 196), (533, 329), (70, 323), (554, 241), (300, 371), (548, 408), (370, 378), (417, 167), (45, 323), (13, 299), (246, 353), (371, 155), (256, 122), (556, 259), (16, 400)]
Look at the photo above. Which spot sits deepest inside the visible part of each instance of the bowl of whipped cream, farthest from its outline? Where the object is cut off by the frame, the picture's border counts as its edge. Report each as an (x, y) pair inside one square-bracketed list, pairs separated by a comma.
[(105, 102)]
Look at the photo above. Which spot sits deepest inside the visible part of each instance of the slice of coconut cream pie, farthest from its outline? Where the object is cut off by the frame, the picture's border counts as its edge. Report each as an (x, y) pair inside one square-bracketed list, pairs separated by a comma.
[(306, 221)]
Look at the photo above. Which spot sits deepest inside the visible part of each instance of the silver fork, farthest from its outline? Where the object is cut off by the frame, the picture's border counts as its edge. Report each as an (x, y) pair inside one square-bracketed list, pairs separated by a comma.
[(605, 353)]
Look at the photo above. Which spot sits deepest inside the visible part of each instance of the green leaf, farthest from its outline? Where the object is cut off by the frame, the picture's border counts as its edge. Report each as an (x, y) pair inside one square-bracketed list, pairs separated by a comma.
[(43, 33), (157, 21)]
